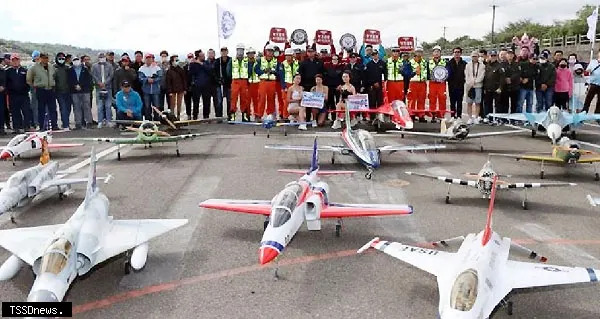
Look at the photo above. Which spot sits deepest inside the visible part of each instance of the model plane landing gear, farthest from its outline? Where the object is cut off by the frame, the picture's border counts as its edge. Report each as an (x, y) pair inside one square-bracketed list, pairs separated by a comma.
[(254, 133), (597, 177), (542, 171), (12, 218), (266, 223), (338, 227), (448, 196), (369, 174), (61, 196), (177, 150), (118, 152), (127, 264), (332, 160), (533, 133)]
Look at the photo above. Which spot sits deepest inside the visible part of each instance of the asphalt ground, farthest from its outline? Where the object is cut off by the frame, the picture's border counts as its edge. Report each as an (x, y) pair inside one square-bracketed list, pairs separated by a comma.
[(209, 268)]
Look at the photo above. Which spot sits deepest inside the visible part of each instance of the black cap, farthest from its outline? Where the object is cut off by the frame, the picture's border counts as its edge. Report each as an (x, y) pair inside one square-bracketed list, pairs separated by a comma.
[(7, 56), (164, 52), (544, 55), (125, 83), (493, 52), (368, 46), (43, 55), (353, 55)]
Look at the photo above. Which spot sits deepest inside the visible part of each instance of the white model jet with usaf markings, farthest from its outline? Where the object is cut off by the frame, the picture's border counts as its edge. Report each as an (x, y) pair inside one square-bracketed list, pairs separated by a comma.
[(60, 253), (303, 200), (475, 281), (23, 143), (483, 183)]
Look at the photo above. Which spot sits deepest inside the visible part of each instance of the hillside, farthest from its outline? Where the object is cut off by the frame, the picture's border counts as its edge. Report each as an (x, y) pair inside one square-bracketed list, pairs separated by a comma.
[(25, 48)]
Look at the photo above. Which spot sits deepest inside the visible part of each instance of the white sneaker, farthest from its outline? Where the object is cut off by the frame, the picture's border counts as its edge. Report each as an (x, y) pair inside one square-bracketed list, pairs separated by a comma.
[(313, 123), (353, 122), (478, 120), (100, 125), (302, 127), (470, 121), (336, 125), (66, 129), (486, 120)]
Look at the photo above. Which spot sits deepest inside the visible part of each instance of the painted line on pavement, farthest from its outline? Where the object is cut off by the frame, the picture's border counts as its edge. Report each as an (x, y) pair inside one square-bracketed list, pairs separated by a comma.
[(86, 162)]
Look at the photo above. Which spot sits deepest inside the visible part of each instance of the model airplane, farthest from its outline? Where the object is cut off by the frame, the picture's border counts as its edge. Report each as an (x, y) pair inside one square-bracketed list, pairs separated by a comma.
[(60, 253), (553, 121), (168, 119), (395, 112), (566, 152), (26, 185), (361, 144), (476, 280), (147, 134), (594, 201), (268, 123), (483, 183), (458, 131), (304, 200), (23, 143)]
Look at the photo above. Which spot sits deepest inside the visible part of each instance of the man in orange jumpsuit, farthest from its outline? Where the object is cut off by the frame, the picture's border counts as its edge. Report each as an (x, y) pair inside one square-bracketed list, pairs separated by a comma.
[(417, 90), (253, 81), (267, 69), (437, 88), (395, 77), (239, 85)]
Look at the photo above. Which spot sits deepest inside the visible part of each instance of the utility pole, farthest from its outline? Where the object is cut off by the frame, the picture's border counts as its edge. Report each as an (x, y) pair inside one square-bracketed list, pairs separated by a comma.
[(494, 6), (444, 36)]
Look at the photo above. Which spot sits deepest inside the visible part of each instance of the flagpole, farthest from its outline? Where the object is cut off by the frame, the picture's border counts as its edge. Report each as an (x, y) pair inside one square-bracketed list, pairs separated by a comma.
[(594, 37), (219, 48)]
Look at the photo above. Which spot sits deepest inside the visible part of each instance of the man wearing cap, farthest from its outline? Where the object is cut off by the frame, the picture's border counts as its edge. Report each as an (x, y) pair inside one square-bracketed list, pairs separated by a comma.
[(164, 65), (253, 82), (124, 73), (395, 78), (357, 72), (150, 75), (290, 67), (492, 81), (456, 81), (3, 107), (18, 90), (528, 68), (267, 69), (32, 101), (239, 85), (63, 91), (437, 89), (41, 78), (129, 103), (511, 84), (103, 73), (366, 53), (375, 73), (544, 83), (223, 68), (308, 69), (80, 82), (417, 91)]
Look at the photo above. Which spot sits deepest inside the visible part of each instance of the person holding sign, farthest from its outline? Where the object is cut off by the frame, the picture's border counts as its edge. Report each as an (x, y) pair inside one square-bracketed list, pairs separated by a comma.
[(294, 98), (366, 53), (322, 112), (418, 82), (346, 90)]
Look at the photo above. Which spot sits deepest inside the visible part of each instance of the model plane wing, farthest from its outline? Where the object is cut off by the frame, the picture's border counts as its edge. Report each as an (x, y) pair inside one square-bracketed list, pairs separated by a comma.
[(589, 159), (134, 122), (448, 180), (429, 260), (409, 148), (245, 123), (535, 158), (430, 134), (532, 185), (70, 181), (198, 121), (594, 201), (258, 207), (161, 139), (338, 149), (127, 234), (27, 243), (511, 116), (115, 140), (293, 124), (337, 210), (486, 134), (526, 275), (54, 145)]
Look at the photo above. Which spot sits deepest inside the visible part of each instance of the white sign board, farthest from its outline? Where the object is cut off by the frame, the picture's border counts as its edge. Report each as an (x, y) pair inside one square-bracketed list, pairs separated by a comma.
[(313, 99), (358, 102)]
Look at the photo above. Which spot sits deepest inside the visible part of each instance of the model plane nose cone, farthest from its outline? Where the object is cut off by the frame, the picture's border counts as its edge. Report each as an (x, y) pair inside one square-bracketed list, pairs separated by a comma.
[(42, 296), (266, 254), (5, 155)]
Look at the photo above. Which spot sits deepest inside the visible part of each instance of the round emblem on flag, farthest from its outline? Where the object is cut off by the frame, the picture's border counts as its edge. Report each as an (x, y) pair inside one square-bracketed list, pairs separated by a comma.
[(439, 73), (348, 41), (299, 36), (227, 23)]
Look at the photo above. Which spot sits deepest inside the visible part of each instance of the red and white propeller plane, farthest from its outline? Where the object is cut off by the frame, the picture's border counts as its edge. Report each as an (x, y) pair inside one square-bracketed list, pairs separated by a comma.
[(474, 281), (303, 200), (26, 142)]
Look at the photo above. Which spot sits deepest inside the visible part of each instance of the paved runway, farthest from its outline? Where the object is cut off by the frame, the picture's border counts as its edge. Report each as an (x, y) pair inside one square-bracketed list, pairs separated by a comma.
[(209, 268)]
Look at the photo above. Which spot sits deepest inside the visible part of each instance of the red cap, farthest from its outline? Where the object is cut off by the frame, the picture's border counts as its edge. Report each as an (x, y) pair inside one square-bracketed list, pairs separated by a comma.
[(149, 55), (14, 56), (190, 55)]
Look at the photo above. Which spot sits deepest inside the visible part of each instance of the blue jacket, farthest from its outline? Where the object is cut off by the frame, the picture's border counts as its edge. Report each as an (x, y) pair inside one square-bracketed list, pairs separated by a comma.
[(131, 101), (84, 81), (366, 59), (200, 74), (16, 81), (150, 72)]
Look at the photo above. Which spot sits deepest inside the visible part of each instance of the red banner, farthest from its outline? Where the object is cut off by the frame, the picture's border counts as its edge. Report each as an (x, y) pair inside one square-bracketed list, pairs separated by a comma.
[(278, 35), (323, 37), (372, 37), (406, 43)]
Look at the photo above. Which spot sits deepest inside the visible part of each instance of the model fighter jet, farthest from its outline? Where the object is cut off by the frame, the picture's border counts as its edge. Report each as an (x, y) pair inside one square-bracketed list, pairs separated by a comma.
[(23, 143), (476, 280), (304, 200), (361, 144), (147, 134), (483, 183), (268, 123), (60, 253), (566, 152)]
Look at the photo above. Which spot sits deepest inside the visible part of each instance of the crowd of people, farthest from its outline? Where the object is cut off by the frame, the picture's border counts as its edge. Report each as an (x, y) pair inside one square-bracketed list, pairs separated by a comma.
[(272, 82)]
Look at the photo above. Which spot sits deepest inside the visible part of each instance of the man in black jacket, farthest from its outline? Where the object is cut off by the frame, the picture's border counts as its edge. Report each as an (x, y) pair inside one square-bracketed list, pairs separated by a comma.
[(3, 108), (357, 72), (510, 86), (224, 80), (375, 71), (491, 84), (456, 82), (308, 69), (528, 68), (18, 90)]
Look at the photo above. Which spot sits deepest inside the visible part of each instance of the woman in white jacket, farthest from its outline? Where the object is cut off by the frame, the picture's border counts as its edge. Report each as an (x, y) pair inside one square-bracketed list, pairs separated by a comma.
[(474, 72)]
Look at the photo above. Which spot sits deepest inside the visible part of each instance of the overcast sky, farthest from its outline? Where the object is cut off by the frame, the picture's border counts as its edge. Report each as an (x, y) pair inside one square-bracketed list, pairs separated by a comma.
[(186, 25)]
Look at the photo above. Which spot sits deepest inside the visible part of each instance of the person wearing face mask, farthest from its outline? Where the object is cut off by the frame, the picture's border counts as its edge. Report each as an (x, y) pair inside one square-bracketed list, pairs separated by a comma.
[(32, 103), (510, 90), (456, 82), (63, 91), (176, 85), (80, 83), (124, 73), (563, 87), (395, 76), (187, 97), (103, 73), (594, 88), (492, 80), (544, 83), (41, 78), (579, 87)]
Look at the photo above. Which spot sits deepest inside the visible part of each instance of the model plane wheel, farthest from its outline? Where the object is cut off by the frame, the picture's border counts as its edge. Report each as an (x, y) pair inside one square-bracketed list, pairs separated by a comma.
[(542, 175), (268, 135), (254, 133), (401, 135), (118, 156), (447, 199), (338, 230), (597, 178), (61, 196), (285, 133), (533, 133), (509, 308), (12, 219), (368, 175), (481, 148), (178, 153), (332, 160), (525, 205), (126, 267), (14, 164), (266, 223)]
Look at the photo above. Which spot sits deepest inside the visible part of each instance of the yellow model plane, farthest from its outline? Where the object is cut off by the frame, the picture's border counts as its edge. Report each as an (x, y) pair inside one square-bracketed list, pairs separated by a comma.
[(566, 152)]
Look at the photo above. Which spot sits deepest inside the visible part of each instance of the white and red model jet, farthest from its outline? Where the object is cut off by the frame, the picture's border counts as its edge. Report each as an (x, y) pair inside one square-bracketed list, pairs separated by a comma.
[(474, 281), (26, 142), (303, 200)]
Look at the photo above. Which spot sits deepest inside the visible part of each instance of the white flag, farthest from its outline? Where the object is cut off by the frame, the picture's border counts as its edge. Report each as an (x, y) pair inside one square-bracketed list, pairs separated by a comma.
[(591, 21), (226, 21)]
